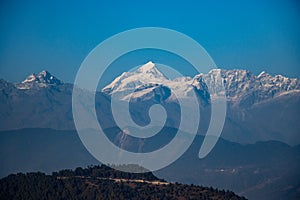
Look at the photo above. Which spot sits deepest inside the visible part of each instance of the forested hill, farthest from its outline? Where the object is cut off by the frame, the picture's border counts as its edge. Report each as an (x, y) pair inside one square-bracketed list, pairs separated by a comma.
[(101, 182)]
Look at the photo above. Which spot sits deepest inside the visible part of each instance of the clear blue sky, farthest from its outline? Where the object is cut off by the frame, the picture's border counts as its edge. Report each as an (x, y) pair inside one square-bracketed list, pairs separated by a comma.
[(57, 35)]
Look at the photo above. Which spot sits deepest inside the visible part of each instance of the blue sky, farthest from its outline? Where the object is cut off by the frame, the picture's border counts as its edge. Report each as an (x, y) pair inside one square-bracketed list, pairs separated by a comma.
[(58, 35)]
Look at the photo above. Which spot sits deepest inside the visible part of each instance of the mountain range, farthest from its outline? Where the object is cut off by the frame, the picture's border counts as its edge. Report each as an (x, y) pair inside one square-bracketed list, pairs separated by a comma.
[(241, 86), (259, 108), (257, 155)]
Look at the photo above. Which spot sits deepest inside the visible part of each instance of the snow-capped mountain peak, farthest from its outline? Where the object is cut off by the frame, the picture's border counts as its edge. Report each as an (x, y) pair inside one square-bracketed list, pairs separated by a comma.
[(129, 81), (148, 81), (149, 67), (43, 79)]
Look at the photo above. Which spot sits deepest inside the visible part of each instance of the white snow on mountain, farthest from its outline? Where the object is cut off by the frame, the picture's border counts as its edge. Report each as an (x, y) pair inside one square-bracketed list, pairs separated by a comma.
[(129, 84), (43, 79), (240, 85), (148, 82), (147, 73)]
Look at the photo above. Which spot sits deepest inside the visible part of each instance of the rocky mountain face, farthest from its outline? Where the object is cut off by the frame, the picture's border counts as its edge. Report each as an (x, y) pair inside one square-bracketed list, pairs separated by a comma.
[(259, 108), (36, 102), (246, 89)]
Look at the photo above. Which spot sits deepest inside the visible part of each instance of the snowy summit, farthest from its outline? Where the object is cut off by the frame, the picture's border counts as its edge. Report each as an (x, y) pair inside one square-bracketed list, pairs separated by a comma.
[(43, 79)]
